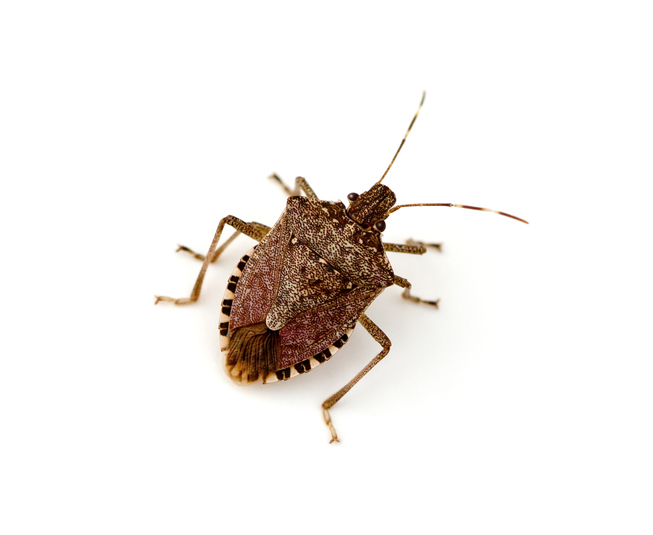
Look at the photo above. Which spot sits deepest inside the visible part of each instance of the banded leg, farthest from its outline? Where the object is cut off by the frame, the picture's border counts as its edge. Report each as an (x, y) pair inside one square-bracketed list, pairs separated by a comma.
[(385, 343), (254, 225), (410, 247), (300, 184), (243, 228), (403, 283)]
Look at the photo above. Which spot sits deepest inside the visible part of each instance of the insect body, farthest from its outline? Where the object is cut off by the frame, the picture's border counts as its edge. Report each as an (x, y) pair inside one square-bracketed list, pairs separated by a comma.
[(294, 299)]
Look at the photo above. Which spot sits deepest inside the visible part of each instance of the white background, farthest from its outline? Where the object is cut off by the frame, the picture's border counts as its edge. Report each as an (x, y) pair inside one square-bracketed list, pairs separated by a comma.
[(522, 406)]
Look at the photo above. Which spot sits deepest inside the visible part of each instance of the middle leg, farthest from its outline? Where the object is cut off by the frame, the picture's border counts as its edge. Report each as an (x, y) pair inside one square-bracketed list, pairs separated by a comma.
[(403, 283)]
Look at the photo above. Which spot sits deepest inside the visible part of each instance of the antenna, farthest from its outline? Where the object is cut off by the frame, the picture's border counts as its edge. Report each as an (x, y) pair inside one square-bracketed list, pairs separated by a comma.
[(456, 206), (403, 140)]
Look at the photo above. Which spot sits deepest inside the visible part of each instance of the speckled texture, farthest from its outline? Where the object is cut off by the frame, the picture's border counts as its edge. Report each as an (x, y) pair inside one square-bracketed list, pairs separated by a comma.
[(310, 283), (256, 291), (309, 333), (357, 254), (372, 205), (310, 279)]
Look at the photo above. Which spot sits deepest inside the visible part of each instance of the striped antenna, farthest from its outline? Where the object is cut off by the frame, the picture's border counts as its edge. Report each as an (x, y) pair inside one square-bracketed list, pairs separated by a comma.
[(403, 140), (458, 206)]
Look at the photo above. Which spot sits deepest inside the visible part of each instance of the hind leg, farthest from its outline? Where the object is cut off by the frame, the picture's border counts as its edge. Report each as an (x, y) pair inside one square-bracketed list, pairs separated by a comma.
[(385, 343)]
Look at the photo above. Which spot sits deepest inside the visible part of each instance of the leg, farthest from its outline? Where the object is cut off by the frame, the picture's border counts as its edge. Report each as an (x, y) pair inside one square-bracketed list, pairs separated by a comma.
[(240, 226), (410, 247), (437, 246), (403, 283), (300, 184), (382, 339), (254, 225)]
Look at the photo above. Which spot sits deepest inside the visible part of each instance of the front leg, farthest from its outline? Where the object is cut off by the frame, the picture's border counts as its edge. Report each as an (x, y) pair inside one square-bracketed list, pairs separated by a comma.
[(244, 228)]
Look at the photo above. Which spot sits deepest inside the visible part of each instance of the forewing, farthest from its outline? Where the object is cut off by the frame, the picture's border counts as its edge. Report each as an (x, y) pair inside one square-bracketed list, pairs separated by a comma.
[(310, 332), (257, 288)]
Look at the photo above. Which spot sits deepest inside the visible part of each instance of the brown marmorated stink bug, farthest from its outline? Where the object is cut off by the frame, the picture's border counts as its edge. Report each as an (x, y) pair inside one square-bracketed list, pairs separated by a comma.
[(293, 300)]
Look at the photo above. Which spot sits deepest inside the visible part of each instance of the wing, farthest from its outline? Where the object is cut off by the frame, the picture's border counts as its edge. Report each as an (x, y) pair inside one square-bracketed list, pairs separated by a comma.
[(287, 308), (256, 353), (256, 290), (308, 334)]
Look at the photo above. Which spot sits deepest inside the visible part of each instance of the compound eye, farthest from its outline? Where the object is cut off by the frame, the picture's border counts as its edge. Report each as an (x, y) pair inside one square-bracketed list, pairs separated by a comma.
[(352, 196), (380, 226)]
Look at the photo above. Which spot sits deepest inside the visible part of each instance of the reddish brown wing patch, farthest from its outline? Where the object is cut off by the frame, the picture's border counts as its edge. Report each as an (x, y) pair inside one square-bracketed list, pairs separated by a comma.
[(309, 333), (252, 350), (257, 289)]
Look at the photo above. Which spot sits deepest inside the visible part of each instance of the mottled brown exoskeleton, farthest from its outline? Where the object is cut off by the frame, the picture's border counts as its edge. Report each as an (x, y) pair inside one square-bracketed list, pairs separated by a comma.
[(294, 299)]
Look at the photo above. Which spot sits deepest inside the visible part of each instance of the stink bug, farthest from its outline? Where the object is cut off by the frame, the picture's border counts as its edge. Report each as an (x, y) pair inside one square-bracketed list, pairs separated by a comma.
[(294, 299)]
